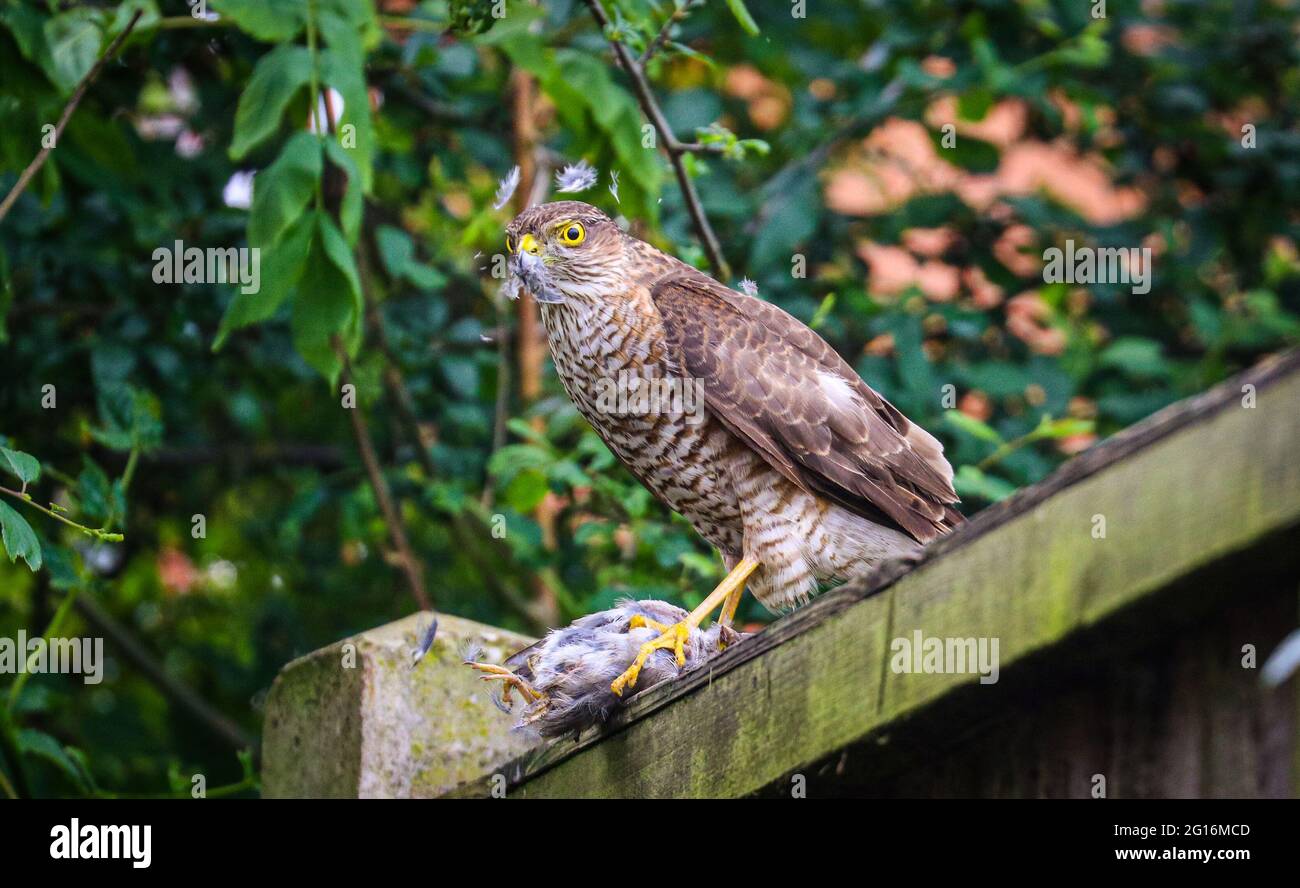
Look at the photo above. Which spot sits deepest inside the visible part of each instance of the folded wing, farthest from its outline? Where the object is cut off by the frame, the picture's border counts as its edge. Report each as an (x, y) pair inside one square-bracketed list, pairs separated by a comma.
[(785, 392)]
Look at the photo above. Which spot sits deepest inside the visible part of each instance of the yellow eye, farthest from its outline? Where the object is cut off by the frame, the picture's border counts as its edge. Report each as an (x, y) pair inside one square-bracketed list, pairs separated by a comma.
[(510, 244), (572, 233)]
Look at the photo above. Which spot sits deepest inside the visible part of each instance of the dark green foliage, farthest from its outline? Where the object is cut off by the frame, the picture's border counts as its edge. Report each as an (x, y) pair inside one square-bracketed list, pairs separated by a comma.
[(177, 400)]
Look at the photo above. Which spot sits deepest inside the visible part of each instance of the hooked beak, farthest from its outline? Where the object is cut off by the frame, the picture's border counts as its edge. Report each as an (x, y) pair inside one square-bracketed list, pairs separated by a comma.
[(527, 266)]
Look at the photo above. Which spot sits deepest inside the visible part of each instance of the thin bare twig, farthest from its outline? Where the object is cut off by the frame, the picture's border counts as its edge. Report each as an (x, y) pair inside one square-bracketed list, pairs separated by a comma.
[(383, 496), (39, 160), (98, 533), (365, 443), (676, 150)]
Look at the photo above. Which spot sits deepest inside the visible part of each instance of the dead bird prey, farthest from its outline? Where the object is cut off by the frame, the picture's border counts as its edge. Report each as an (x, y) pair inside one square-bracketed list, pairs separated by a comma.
[(565, 678)]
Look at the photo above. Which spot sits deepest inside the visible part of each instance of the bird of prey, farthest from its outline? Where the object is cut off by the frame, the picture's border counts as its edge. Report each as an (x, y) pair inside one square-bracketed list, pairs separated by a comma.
[(791, 465)]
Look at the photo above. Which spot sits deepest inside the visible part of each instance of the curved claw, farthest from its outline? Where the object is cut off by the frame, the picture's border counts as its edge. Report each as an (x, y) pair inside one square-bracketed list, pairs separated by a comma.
[(509, 681)]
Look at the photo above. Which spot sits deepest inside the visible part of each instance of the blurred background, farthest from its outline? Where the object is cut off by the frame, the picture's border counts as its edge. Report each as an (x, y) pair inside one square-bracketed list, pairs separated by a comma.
[(889, 172)]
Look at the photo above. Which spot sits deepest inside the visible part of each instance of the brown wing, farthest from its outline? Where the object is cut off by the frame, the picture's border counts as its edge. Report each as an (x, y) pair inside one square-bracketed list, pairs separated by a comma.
[(785, 392)]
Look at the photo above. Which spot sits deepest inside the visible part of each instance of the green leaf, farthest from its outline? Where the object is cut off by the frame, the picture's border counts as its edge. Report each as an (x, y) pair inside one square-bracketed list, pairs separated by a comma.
[(462, 375), (350, 210), (19, 539), (1067, 427), (74, 39), (566, 473), (974, 104), (398, 255), (395, 249), (282, 191), (130, 418), (123, 14), (282, 267), (971, 482), (972, 426), (526, 490), (60, 567), (425, 277), (24, 465), (1136, 356), (347, 27), (94, 492), (276, 22), (358, 15), (41, 745), (742, 15), (788, 217), (974, 155), (823, 311), (279, 227), (327, 302), (344, 71), (521, 427), (27, 27), (338, 252), (278, 76), (514, 458)]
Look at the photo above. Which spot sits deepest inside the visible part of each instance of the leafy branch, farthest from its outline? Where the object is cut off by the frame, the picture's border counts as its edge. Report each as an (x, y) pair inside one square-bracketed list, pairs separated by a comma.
[(39, 160), (1047, 429), (973, 480), (676, 149), (97, 533), (680, 11), (20, 541)]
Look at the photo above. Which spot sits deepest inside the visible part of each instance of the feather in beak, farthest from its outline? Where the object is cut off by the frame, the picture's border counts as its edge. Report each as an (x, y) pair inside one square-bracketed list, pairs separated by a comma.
[(530, 269)]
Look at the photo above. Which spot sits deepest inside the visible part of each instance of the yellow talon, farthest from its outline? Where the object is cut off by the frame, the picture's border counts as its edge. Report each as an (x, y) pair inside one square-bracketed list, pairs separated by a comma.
[(673, 636), (639, 620)]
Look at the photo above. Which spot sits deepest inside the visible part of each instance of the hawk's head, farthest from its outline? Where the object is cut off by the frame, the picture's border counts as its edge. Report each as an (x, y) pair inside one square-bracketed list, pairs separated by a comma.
[(565, 249)]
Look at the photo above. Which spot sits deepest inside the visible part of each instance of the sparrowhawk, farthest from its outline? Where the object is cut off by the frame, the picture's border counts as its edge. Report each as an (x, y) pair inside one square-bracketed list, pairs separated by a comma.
[(791, 465)]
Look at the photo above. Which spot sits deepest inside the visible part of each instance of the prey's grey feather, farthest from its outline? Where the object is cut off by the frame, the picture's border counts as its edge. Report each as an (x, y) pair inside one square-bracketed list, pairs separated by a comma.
[(571, 669)]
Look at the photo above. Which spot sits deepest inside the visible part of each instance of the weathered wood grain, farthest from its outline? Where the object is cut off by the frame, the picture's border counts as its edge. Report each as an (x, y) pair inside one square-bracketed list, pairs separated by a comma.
[(1204, 480), (1174, 716)]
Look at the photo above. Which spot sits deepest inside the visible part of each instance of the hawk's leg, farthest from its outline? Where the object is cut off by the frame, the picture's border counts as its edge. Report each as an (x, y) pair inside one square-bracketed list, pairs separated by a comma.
[(674, 637), (509, 682), (728, 635)]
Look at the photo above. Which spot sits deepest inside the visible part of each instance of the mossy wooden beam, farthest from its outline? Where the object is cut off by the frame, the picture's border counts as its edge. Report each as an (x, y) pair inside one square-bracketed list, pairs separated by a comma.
[(1204, 479)]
